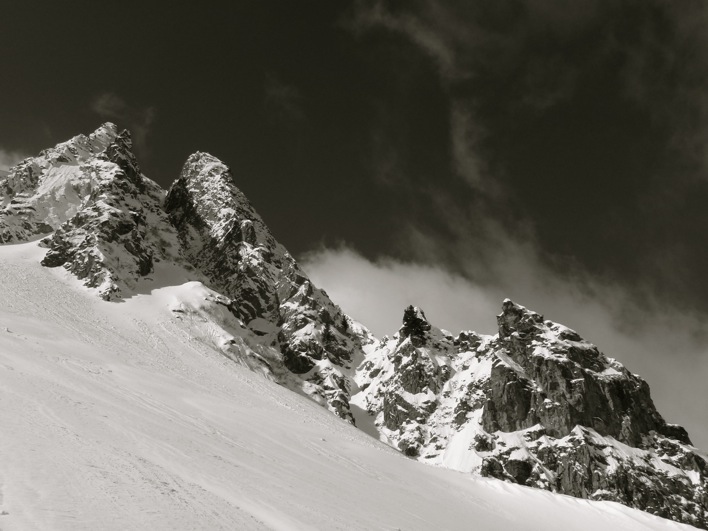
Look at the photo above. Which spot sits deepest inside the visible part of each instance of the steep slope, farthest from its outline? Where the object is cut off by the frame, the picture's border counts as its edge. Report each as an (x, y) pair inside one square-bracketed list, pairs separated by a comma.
[(123, 416), (41, 193), (120, 230), (110, 226), (535, 405), (106, 217), (223, 236)]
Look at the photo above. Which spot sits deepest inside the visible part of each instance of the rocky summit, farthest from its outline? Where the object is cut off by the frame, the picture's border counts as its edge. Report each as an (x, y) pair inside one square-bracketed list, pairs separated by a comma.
[(534, 404)]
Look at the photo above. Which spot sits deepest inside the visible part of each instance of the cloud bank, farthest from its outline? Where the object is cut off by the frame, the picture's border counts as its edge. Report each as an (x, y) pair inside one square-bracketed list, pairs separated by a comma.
[(666, 348), (519, 78)]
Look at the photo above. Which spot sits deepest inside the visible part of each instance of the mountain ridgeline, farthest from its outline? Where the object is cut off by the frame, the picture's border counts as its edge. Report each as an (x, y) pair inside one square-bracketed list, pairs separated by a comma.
[(535, 404)]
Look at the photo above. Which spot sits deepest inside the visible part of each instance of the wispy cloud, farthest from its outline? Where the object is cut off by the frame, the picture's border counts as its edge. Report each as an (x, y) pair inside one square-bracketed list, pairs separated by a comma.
[(465, 135), (283, 101), (376, 292), (9, 158), (441, 38), (139, 121), (487, 250), (666, 72), (436, 44), (662, 48)]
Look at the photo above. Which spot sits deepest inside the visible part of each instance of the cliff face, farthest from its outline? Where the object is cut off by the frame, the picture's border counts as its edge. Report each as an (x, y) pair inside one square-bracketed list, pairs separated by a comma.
[(535, 404), (109, 225), (119, 230), (42, 192), (222, 236)]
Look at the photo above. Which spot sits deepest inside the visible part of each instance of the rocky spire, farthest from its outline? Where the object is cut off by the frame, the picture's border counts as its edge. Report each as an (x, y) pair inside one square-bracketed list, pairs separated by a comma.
[(120, 152), (415, 325), (516, 318), (222, 235), (114, 229), (537, 405)]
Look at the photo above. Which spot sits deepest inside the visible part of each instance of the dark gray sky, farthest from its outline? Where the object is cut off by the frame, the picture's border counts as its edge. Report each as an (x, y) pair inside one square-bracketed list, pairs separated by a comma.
[(551, 151)]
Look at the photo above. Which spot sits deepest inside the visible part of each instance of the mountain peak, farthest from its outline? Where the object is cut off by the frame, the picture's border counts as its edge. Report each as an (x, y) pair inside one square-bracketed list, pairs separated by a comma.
[(415, 324), (120, 152), (204, 157), (206, 198), (535, 404), (205, 167), (517, 318), (106, 132), (81, 147)]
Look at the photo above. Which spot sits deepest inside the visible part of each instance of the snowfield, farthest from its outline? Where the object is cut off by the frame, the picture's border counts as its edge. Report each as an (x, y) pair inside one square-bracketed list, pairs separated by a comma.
[(127, 416)]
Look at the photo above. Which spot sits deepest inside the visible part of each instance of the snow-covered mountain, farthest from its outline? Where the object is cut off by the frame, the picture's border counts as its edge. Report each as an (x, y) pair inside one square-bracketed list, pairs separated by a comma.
[(535, 404)]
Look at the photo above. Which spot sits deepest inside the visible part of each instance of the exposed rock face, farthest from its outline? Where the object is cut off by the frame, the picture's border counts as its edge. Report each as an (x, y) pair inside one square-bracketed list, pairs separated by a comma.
[(415, 325), (535, 405), (560, 381), (110, 225), (119, 231), (42, 192), (106, 217), (224, 237)]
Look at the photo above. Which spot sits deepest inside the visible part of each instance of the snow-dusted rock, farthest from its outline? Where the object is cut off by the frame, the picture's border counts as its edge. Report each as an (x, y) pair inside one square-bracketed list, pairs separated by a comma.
[(536, 405), (119, 230), (223, 236), (40, 193), (110, 225), (107, 224)]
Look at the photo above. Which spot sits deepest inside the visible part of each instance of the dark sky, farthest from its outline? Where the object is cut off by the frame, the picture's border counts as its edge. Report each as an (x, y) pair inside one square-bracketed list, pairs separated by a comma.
[(491, 140)]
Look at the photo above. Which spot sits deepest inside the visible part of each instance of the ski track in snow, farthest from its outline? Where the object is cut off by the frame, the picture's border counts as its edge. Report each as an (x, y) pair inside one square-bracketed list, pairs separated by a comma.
[(115, 417)]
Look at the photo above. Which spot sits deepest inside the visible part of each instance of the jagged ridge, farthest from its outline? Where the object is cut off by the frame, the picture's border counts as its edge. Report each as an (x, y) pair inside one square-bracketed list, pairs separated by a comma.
[(115, 224), (534, 404), (223, 236)]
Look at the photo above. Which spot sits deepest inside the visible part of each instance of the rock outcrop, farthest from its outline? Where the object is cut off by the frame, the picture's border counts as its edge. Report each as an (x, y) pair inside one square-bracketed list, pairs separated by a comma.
[(535, 405), (110, 225), (40, 193), (119, 231), (223, 236)]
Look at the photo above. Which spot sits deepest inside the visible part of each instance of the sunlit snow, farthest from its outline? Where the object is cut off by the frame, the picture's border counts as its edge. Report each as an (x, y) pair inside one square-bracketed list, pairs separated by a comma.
[(128, 416)]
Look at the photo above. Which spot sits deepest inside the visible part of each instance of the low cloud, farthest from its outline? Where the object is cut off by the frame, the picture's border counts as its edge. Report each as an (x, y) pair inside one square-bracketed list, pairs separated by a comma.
[(480, 247), (375, 293), (9, 158), (665, 347), (139, 121)]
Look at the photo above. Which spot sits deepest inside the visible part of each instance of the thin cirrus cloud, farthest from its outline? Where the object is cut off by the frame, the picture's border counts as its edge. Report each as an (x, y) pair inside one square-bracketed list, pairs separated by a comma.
[(376, 292), (283, 101), (139, 121), (662, 47)]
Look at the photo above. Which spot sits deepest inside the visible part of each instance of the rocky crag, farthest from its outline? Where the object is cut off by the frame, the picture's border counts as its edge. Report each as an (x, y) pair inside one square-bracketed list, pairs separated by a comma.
[(222, 236), (534, 404), (109, 225)]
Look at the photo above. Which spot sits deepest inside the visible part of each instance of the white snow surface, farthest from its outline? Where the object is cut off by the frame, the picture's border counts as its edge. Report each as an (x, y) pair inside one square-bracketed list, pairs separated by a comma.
[(120, 416)]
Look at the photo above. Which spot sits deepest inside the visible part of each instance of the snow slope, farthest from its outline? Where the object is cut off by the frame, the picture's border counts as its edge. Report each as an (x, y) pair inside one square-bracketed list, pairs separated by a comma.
[(128, 416)]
